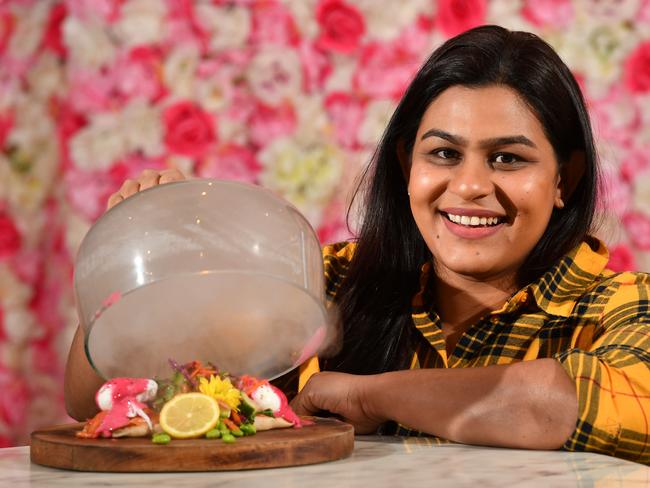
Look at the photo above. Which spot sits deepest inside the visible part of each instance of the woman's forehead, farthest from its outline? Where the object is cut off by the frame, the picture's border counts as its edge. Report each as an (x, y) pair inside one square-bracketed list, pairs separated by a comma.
[(481, 112)]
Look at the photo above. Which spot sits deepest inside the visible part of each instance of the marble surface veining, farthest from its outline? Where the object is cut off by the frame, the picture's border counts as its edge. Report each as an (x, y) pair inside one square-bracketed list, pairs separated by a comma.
[(375, 462)]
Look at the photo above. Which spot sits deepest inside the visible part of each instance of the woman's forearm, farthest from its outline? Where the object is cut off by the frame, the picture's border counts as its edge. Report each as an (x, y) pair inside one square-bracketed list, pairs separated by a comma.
[(531, 404), (81, 381)]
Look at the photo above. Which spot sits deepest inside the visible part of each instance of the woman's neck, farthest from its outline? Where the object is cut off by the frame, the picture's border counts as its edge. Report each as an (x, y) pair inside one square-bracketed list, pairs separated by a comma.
[(461, 301)]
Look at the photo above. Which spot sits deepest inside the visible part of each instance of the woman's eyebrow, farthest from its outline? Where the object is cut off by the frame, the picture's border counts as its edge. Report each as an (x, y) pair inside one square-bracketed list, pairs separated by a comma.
[(494, 141)]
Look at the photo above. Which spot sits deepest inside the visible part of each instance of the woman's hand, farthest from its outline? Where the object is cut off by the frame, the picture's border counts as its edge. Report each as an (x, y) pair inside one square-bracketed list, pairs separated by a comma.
[(341, 394), (146, 179)]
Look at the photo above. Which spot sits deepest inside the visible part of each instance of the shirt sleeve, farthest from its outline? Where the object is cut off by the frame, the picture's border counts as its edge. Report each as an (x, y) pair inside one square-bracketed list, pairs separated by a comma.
[(611, 370)]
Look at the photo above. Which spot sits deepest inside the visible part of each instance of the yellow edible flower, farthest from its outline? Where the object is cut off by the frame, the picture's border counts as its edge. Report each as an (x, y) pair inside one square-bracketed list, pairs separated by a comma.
[(220, 390)]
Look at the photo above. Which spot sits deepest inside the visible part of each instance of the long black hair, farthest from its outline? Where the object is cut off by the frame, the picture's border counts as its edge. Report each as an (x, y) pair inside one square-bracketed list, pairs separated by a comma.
[(374, 298)]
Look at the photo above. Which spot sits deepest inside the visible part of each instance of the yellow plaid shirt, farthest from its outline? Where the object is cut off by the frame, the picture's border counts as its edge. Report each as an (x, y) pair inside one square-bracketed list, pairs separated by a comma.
[(595, 322)]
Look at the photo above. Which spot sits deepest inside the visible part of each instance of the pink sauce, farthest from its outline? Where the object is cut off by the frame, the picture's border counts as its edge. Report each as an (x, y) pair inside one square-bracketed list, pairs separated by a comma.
[(285, 410), (123, 393)]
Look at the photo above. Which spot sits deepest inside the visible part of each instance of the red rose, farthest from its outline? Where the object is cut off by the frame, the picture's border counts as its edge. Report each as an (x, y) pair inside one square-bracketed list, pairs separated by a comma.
[(456, 16), (621, 259), (10, 238), (637, 69), (269, 123), (637, 225), (6, 123), (189, 130), (342, 26), (52, 36)]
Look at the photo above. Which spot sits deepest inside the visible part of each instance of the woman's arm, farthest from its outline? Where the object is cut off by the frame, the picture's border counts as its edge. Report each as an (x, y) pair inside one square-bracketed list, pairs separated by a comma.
[(81, 381), (531, 404)]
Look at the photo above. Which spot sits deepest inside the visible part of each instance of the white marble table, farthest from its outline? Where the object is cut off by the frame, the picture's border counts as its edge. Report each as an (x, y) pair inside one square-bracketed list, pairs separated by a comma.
[(375, 462)]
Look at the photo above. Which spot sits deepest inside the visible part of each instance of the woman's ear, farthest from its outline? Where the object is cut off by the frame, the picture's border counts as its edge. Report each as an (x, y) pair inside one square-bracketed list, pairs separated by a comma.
[(404, 160), (570, 175)]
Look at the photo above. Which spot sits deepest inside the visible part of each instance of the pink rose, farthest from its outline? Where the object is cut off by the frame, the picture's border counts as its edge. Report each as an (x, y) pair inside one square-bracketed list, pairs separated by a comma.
[(554, 13), (231, 162), (189, 130), (52, 36), (637, 225), (137, 74), (87, 192), (634, 162), (346, 113), (108, 10), (341, 26), (616, 193), (272, 23), (456, 16), (637, 69), (621, 259), (45, 360), (92, 91), (316, 67), (269, 123), (334, 227), (10, 238), (385, 70)]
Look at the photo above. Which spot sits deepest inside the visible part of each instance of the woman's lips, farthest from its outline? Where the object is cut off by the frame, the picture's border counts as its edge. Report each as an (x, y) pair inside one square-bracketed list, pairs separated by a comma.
[(469, 232)]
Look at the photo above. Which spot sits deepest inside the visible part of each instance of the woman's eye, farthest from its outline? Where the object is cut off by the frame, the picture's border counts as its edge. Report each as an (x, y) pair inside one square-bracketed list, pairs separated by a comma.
[(445, 154), (506, 158)]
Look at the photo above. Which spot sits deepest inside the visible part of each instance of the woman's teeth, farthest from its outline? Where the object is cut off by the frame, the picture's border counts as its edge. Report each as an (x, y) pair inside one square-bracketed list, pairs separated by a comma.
[(472, 221)]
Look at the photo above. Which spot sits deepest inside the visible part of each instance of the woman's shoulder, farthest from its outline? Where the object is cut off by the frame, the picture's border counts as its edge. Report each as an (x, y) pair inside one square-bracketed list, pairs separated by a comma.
[(336, 260), (339, 251)]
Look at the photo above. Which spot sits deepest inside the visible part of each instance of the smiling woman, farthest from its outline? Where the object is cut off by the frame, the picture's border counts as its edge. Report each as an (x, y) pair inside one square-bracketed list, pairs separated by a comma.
[(475, 304)]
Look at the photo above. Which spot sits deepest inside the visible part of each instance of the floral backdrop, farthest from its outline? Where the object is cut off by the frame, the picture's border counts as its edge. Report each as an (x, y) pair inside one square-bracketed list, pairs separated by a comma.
[(292, 95)]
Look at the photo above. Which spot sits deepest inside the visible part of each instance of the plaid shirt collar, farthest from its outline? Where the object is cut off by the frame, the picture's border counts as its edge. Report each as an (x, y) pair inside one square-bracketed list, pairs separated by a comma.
[(555, 292)]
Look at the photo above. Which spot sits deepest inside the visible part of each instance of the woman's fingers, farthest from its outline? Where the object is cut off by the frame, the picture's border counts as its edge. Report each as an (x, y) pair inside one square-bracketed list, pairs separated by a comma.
[(147, 179), (169, 175)]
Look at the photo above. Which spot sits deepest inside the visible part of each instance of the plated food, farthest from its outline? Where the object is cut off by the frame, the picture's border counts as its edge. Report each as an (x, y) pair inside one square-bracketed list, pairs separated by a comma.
[(196, 401)]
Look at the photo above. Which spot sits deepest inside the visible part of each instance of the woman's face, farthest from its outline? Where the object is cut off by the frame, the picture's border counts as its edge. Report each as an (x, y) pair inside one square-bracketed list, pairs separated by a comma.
[(483, 182)]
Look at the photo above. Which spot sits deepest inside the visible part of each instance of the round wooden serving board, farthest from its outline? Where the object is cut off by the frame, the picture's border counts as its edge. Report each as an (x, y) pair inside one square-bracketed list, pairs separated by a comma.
[(325, 440)]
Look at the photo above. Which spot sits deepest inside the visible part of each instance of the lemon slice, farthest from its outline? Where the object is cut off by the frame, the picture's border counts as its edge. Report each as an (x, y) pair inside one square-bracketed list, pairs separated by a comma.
[(189, 415)]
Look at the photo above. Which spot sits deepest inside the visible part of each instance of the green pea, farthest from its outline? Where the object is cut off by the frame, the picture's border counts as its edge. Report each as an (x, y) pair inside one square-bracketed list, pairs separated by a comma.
[(237, 433), (161, 438), (213, 434), (248, 429), (228, 438)]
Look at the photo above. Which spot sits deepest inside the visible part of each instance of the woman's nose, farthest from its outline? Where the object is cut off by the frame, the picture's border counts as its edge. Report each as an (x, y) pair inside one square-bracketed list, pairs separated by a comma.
[(471, 179)]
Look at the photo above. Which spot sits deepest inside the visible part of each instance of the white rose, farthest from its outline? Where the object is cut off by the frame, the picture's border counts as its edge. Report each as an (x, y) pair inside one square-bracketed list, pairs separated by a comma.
[(100, 143), (19, 325), (607, 11), (142, 128), (179, 71), (642, 191), (75, 230), (28, 31), (303, 14), (275, 74), (228, 27), (507, 13), (378, 114), (596, 50), (304, 173), (343, 69), (89, 44), (46, 77), (141, 22), (14, 294), (385, 20), (312, 121)]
